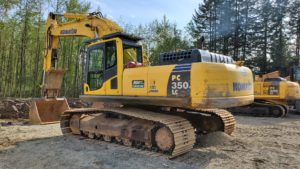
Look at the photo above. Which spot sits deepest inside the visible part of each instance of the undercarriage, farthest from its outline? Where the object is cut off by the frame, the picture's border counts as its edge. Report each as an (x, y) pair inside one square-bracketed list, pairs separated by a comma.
[(171, 132), (262, 108)]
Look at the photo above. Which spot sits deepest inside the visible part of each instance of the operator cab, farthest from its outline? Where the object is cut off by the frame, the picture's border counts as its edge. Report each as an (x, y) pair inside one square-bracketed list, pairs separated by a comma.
[(102, 59), (295, 74)]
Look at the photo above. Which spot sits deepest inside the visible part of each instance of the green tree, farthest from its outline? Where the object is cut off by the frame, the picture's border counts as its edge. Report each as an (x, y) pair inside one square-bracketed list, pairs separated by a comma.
[(294, 15), (166, 37), (279, 50), (261, 38), (69, 53), (159, 36), (225, 24)]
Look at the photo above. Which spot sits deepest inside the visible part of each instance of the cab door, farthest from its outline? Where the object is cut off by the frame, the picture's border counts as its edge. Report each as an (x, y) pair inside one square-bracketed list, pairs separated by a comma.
[(111, 68), (102, 76), (95, 70)]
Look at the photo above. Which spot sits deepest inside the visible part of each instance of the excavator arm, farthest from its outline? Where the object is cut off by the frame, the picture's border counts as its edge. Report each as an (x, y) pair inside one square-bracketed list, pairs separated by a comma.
[(92, 25)]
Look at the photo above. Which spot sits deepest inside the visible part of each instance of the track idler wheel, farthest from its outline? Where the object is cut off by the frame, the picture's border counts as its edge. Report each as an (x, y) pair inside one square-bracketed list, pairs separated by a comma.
[(164, 139), (277, 111)]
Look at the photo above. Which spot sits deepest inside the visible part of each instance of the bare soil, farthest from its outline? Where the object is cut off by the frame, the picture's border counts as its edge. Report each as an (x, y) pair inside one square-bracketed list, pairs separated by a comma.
[(256, 143)]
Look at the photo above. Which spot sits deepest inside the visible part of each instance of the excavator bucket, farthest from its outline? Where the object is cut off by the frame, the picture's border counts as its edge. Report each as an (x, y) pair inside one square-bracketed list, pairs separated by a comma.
[(47, 111), (53, 81)]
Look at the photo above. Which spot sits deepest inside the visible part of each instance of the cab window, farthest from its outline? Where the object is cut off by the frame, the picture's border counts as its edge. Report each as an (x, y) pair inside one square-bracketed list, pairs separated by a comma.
[(111, 55), (132, 53), (95, 67), (297, 74)]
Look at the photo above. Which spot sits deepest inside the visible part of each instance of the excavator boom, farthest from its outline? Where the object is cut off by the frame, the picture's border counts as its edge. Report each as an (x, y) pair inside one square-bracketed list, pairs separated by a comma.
[(92, 25)]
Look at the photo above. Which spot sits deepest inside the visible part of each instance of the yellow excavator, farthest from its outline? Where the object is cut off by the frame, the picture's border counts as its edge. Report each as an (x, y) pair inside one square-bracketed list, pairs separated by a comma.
[(156, 108), (275, 96), (294, 76)]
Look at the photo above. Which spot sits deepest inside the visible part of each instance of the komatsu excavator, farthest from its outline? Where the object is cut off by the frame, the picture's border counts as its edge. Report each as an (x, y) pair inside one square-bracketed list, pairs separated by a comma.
[(275, 96), (157, 108)]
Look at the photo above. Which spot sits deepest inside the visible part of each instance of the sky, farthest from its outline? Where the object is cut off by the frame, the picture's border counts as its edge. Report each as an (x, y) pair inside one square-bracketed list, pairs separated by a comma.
[(137, 12)]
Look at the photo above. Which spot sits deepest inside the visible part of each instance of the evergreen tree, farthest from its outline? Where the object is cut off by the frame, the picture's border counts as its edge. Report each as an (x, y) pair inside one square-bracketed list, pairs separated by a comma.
[(224, 24), (294, 15), (262, 34), (166, 38), (279, 49), (69, 53)]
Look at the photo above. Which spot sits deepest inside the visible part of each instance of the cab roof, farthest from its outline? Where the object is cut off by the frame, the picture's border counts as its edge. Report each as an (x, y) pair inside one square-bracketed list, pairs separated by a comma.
[(123, 36)]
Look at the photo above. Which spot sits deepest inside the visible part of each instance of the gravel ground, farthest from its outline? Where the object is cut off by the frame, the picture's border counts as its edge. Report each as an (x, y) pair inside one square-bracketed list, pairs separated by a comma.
[(256, 143)]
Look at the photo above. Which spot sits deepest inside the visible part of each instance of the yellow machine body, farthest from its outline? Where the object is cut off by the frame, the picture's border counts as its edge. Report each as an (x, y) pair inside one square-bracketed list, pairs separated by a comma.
[(274, 96), (273, 88), (284, 90), (194, 85)]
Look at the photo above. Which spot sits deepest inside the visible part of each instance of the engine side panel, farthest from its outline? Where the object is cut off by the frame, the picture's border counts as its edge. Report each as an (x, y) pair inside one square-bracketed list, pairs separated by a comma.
[(220, 85), (204, 85)]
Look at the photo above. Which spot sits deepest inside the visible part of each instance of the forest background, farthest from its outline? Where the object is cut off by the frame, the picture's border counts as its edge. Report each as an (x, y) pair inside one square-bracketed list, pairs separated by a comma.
[(264, 33)]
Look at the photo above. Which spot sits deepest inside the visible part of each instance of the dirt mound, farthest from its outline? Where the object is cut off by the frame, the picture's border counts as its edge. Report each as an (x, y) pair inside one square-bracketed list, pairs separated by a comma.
[(18, 108), (213, 139), (14, 108)]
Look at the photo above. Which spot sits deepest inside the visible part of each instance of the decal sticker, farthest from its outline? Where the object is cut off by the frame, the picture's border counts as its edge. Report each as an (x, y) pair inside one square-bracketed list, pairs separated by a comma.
[(68, 31), (237, 86), (153, 88), (138, 84), (179, 81), (271, 88)]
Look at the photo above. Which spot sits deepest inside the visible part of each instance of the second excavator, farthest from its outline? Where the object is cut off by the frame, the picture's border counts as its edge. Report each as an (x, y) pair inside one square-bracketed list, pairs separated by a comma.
[(157, 108), (275, 96)]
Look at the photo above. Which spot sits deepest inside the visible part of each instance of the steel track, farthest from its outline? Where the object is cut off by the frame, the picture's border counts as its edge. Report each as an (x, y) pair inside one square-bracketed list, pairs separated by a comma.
[(183, 131), (227, 118)]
